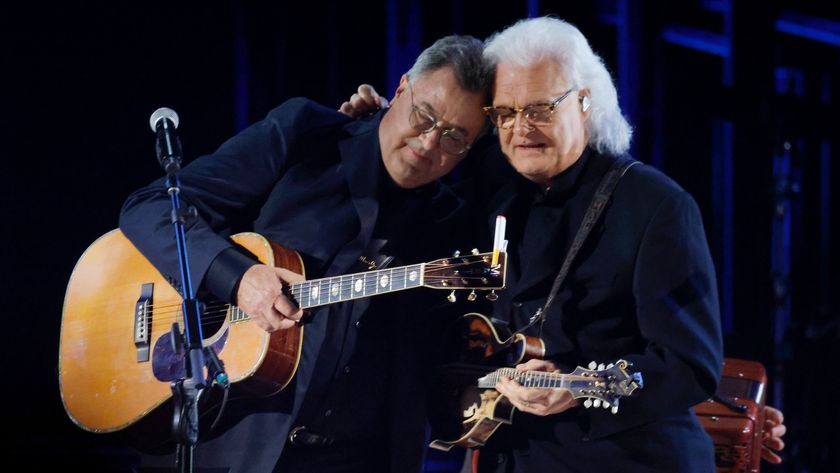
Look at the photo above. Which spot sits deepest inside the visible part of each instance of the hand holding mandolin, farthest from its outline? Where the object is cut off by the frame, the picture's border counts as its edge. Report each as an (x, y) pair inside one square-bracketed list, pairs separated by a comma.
[(537, 401)]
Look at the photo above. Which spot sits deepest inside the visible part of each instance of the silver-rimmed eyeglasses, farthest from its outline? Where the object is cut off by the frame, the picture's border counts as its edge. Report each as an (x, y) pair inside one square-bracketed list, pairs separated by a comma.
[(453, 141)]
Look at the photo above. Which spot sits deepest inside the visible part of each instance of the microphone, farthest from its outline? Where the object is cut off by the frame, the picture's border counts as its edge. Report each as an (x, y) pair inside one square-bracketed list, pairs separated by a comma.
[(163, 122)]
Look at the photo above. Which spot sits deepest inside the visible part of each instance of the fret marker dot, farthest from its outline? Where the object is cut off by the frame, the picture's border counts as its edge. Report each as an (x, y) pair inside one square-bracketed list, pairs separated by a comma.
[(412, 276), (357, 286), (314, 294), (383, 281), (334, 289)]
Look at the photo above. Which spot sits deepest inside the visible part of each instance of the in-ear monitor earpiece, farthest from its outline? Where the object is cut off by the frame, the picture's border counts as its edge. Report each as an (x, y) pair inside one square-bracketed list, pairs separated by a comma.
[(584, 103)]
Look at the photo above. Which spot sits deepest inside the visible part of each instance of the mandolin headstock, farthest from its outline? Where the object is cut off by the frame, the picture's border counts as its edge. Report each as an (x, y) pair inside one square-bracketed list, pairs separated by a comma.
[(604, 386)]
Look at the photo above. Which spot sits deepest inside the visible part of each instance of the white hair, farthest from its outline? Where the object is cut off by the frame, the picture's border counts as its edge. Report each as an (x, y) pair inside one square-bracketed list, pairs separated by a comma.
[(530, 41)]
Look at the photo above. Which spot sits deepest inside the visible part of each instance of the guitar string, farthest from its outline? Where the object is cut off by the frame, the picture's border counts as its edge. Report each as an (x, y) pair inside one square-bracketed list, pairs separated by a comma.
[(164, 313), (345, 285), (216, 313), (350, 279), (345, 282)]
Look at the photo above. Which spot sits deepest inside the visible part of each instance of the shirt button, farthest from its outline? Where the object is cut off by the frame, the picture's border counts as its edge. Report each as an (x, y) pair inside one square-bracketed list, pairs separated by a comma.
[(517, 304), (347, 369), (328, 412), (358, 323)]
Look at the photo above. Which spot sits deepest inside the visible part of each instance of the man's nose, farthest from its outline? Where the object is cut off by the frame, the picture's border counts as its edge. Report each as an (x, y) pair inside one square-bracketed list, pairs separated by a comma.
[(521, 125), (430, 139)]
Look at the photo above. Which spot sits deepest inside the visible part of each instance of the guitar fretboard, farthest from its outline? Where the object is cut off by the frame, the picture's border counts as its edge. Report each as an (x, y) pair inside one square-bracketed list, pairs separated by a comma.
[(325, 291), (318, 292)]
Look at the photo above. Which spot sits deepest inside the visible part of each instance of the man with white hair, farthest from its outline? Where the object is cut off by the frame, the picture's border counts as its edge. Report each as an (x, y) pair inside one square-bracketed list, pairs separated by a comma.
[(641, 288)]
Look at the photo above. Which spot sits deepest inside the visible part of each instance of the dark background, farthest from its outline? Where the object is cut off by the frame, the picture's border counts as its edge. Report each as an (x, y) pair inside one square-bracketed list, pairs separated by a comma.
[(735, 100)]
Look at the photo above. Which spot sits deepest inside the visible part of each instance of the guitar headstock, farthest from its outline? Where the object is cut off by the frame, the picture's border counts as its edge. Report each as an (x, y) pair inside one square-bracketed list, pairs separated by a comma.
[(473, 271), (604, 386)]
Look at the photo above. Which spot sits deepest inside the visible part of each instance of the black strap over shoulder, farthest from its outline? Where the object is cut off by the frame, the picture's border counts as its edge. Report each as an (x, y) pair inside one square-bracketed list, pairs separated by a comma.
[(593, 212)]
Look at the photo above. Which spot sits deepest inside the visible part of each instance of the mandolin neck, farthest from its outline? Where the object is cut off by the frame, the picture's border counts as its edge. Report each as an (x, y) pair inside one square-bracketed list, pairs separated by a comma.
[(529, 379)]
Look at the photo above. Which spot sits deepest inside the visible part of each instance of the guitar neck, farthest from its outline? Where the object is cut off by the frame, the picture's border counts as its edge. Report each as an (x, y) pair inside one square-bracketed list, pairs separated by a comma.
[(459, 272), (529, 379), (330, 290), (318, 292)]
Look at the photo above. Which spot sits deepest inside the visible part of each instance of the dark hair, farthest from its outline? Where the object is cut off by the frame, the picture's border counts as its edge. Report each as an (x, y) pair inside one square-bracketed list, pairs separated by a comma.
[(464, 54)]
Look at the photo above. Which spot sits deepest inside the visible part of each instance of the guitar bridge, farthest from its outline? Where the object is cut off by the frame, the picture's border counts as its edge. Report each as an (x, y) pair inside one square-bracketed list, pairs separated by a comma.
[(143, 322)]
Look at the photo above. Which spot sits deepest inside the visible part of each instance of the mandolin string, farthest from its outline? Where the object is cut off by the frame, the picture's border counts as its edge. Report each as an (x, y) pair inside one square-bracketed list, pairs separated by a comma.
[(521, 375)]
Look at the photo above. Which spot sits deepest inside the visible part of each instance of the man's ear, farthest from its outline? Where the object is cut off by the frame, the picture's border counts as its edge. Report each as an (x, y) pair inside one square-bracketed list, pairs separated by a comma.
[(401, 87), (585, 98)]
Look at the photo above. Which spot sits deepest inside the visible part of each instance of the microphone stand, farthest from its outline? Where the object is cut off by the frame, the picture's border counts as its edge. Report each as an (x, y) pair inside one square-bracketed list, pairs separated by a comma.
[(186, 391)]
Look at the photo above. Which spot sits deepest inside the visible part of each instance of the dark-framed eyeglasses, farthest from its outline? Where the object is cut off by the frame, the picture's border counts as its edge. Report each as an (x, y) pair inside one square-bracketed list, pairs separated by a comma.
[(453, 141), (536, 114)]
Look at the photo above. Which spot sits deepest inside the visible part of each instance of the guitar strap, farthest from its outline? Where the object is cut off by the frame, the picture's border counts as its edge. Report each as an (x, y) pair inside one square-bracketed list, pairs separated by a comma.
[(596, 207)]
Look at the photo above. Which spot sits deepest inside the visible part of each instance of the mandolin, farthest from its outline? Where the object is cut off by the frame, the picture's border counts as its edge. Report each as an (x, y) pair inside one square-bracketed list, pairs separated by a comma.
[(467, 409)]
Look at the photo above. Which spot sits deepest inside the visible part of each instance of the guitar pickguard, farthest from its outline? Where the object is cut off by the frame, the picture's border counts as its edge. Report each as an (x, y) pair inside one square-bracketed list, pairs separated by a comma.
[(167, 364)]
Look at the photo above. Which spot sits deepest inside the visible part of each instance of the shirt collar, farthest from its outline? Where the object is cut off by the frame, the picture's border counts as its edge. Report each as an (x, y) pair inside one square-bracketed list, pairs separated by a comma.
[(564, 183)]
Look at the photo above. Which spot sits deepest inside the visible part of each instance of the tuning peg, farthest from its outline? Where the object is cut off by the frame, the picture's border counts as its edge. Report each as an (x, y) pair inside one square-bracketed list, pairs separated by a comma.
[(456, 253), (492, 296), (471, 297), (451, 297), (610, 365), (593, 365), (596, 403), (606, 404), (614, 409), (587, 403), (474, 251), (601, 366)]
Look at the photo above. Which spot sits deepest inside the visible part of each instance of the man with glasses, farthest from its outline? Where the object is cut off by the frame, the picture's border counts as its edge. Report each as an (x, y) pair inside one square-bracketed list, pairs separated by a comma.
[(641, 288), (337, 191)]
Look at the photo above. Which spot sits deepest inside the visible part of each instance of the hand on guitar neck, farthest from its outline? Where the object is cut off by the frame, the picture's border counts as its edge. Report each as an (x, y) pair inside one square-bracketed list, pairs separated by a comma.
[(537, 401), (260, 295)]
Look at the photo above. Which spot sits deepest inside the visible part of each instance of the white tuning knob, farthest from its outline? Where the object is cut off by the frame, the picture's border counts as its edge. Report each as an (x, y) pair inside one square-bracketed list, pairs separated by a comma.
[(610, 365), (593, 365), (474, 251), (471, 297), (614, 409), (601, 366), (587, 403), (451, 297), (457, 253), (597, 403), (606, 404)]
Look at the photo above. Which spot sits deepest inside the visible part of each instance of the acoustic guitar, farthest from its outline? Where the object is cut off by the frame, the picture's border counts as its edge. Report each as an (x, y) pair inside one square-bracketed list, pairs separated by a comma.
[(117, 357), (467, 409)]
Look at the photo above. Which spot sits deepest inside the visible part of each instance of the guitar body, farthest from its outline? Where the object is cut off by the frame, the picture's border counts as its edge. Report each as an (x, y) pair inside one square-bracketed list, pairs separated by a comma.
[(109, 382)]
